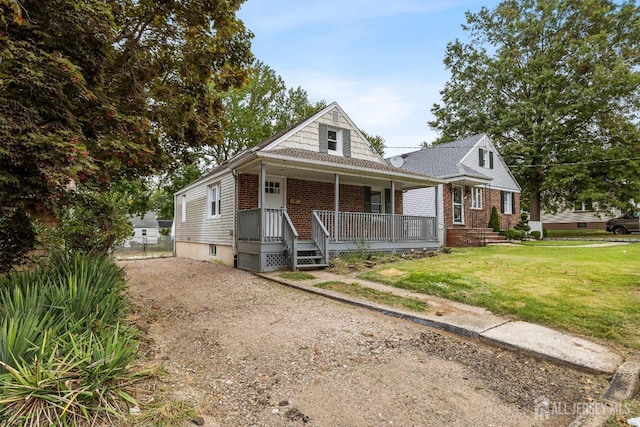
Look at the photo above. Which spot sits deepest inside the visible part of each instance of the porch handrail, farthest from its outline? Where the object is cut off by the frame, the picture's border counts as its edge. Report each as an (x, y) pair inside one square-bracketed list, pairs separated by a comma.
[(320, 236), (372, 227), (290, 239)]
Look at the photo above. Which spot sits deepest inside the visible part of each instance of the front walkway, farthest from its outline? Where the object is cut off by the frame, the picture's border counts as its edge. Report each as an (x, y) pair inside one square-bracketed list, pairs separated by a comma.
[(475, 322)]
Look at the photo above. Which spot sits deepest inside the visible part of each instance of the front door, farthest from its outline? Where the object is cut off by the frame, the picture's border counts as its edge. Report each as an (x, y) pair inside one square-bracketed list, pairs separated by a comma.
[(274, 203), (458, 204)]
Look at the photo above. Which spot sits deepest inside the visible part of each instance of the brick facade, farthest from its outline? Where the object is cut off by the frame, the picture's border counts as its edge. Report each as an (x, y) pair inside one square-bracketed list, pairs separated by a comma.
[(475, 218), (247, 192), (303, 197)]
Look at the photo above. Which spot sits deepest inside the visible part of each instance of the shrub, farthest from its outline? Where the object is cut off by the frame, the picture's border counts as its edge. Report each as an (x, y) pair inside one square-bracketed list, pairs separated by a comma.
[(92, 222), (510, 234), (536, 235), (524, 223), (494, 220)]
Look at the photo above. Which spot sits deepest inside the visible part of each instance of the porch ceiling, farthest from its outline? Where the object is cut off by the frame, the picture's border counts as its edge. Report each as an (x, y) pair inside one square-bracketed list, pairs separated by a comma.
[(360, 173)]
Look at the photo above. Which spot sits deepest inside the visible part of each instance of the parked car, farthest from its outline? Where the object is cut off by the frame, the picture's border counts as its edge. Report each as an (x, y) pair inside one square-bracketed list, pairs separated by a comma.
[(625, 224)]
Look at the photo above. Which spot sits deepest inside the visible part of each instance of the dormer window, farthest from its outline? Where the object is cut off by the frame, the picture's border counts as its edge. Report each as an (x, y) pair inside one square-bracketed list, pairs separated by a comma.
[(334, 141), (486, 158)]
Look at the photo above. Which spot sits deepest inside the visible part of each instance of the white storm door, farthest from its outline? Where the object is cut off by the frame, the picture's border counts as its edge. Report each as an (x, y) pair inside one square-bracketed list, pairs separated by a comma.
[(274, 204)]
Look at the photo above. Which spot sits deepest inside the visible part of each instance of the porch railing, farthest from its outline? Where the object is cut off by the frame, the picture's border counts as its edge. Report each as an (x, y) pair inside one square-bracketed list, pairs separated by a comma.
[(267, 229), (372, 227), (320, 236), (290, 239)]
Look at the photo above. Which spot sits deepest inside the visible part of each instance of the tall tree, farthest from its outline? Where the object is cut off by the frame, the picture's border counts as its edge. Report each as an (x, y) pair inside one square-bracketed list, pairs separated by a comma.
[(376, 141), (260, 108), (95, 91), (555, 83)]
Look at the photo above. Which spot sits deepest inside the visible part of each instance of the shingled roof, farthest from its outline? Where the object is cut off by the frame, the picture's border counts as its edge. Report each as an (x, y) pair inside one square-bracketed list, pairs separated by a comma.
[(443, 160), (297, 153)]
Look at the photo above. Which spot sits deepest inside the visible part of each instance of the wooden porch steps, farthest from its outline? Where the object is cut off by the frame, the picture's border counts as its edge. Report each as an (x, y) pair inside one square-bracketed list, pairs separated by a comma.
[(308, 256)]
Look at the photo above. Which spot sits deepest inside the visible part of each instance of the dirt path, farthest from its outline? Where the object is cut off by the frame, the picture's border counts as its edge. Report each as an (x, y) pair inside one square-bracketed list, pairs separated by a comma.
[(247, 352)]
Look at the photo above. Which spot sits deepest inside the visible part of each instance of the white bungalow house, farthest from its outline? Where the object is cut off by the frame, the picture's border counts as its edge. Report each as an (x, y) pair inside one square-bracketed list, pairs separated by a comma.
[(315, 190), (145, 229), (474, 178)]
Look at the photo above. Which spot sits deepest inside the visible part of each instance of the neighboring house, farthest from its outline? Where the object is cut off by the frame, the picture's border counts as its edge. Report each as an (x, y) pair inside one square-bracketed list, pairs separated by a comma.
[(145, 229), (475, 179), (315, 190), (583, 216)]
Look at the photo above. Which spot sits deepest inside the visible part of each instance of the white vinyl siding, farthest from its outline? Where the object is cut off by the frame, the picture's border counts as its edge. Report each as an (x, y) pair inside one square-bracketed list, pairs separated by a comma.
[(197, 228)]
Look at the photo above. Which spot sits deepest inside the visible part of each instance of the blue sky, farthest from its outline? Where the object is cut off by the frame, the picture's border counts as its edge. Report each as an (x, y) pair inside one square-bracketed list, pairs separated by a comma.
[(381, 60)]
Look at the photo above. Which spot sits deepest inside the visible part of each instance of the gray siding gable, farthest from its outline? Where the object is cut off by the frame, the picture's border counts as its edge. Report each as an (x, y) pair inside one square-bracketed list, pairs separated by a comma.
[(459, 159), (501, 176)]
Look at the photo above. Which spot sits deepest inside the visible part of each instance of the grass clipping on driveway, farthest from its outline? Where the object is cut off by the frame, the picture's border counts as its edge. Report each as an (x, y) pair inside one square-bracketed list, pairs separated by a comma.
[(590, 291), (374, 295)]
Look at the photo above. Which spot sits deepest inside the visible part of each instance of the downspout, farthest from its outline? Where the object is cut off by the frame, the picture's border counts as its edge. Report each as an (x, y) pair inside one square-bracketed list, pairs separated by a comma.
[(234, 230)]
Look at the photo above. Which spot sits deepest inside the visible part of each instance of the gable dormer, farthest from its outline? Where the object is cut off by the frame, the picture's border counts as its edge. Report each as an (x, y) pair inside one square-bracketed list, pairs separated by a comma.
[(330, 131), (334, 140)]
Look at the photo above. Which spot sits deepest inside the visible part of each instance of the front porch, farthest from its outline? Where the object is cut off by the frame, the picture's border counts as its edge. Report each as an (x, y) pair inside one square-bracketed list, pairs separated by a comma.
[(268, 239)]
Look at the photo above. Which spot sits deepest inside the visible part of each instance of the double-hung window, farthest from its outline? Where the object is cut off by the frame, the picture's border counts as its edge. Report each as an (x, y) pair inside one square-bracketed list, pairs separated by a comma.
[(476, 198), (507, 202), (485, 158), (334, 141), (213, 201)]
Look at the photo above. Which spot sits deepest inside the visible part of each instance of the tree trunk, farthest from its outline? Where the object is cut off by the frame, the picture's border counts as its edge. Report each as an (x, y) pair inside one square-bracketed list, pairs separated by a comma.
[(534, 201)]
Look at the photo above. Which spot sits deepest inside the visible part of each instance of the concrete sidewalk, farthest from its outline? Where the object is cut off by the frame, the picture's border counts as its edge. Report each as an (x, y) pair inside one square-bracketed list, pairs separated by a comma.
[(475, 322)]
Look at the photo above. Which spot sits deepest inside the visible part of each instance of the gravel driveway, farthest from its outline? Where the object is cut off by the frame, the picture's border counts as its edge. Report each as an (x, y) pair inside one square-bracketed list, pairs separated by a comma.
[(248, 352)]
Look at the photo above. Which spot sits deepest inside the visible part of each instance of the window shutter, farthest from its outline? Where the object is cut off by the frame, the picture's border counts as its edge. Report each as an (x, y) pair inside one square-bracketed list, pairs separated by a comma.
[(387, 201), (513, 203), (502, 202), (323, 142), (481, 157), (346, 142), (490, 159), (367, 199)]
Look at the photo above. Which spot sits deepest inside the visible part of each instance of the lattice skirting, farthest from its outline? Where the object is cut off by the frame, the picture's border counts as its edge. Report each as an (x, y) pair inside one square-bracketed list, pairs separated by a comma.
[(275, 261)]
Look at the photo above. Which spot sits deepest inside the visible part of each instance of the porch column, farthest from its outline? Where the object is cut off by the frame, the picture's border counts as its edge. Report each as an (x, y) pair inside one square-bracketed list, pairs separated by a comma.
[(336, 206), (263, 196), (393, 211)]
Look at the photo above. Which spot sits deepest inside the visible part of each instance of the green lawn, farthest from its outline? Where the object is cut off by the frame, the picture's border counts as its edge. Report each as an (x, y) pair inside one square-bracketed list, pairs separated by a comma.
[(594, 292)]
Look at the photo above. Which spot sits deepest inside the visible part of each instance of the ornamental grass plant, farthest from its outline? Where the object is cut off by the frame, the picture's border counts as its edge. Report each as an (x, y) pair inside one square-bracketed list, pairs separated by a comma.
[(65, 351)]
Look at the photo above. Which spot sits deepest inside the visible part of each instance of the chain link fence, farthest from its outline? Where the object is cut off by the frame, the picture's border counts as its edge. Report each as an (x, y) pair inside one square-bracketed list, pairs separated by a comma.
[(161, 246)]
